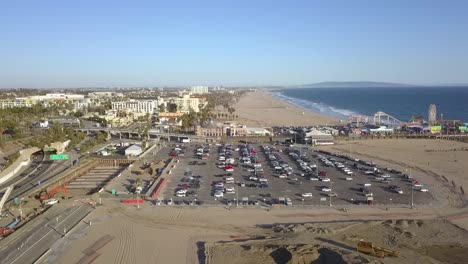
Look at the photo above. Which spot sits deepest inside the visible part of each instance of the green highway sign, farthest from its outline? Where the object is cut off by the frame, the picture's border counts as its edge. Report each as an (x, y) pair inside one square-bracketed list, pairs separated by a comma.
[(59, 157)]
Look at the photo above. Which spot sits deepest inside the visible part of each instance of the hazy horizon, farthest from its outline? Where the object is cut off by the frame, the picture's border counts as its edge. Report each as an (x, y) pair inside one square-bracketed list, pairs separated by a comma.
[(56, 44)]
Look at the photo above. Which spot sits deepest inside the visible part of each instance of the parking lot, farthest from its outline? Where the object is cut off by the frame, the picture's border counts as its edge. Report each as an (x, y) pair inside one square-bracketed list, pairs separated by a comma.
[(204, 176)]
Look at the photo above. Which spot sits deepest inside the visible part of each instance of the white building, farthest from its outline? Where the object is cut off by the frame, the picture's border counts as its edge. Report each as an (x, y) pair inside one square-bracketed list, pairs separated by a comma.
[(199, 89), (320, 138), (185, 103), (133, 150), (13, 103), (96, 95), (81, 105), (257, 131), (138, 106)]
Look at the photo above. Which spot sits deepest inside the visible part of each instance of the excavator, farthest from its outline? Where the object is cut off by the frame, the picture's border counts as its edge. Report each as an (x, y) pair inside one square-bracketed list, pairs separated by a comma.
[(45, 196), (369, 248)]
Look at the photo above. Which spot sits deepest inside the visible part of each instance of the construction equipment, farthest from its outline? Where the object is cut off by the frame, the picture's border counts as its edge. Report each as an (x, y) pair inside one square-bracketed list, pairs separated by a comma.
[(45, 196), (369, 248), (5, 231)]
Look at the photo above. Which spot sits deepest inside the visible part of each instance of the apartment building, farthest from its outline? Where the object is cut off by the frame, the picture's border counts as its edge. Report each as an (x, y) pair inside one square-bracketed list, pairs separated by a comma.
[(199, 89), (138, 106)]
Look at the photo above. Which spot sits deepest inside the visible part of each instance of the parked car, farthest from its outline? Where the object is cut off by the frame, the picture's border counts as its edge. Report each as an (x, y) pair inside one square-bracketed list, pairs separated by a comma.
[(306, 195)]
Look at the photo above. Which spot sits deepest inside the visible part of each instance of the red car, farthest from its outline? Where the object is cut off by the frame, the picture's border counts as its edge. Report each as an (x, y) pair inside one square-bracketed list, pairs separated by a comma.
[(173, 155), (323, 174)]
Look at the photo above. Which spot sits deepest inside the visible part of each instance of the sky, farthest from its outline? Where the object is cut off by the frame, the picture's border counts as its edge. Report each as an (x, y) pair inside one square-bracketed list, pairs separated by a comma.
[(53, 44)]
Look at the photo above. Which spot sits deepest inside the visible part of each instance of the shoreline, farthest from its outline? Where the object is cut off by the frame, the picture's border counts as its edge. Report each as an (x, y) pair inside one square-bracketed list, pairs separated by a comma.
[(318, 108), (260, 108)]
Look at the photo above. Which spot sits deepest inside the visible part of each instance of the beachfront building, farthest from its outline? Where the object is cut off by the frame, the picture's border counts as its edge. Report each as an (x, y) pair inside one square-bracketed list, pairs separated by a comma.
[(229, 129), (319, 138), (199, 89), (137, 106), (210, 130)]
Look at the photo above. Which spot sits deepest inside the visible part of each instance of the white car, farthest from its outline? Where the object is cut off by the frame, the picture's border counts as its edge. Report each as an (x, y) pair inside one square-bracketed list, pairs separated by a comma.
[(180, 194), (230, 190), (181, 191), (326, 190), (219, 185), (282, 176), (367, 184), (218, 194), (423, 190), (368, 172), (230, 170), (417, 185), (349, 178), (325, 179), (307, 195), (313, 179)]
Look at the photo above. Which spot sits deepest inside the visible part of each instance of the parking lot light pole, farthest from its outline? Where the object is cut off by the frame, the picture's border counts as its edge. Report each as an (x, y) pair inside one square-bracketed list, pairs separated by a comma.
[(412, 198), (237, 196)]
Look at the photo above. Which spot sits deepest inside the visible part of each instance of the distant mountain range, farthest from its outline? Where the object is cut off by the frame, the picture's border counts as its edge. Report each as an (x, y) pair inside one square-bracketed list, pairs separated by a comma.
[(353, 84)]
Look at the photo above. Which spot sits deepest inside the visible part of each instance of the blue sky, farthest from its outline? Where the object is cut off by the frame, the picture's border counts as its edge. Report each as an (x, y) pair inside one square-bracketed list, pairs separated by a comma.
[(168, 43)]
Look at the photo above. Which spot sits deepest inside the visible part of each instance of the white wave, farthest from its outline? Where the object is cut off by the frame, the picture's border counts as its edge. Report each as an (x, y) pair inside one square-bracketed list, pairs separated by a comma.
[(314, 106)]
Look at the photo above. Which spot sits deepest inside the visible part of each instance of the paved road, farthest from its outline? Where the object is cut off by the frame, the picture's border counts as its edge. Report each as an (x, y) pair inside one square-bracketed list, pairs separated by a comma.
[(31, 241)]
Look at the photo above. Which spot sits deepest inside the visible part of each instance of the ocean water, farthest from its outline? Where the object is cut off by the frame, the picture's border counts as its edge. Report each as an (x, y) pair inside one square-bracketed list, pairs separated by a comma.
[(401, 103)]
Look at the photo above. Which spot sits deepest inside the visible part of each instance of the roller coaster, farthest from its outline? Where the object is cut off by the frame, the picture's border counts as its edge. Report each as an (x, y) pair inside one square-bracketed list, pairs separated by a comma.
[(379, 118)]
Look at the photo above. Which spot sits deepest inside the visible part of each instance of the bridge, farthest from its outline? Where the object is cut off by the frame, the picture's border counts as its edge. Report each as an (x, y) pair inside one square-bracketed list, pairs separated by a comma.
[(152, 133)]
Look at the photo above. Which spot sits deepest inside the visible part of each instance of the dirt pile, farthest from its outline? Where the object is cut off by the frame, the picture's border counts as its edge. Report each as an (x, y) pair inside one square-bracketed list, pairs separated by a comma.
[(279, 254), (303, 228)]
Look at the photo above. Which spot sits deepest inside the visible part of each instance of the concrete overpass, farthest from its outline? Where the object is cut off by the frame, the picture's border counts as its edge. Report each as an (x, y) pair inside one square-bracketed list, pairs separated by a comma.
[(152, 133)]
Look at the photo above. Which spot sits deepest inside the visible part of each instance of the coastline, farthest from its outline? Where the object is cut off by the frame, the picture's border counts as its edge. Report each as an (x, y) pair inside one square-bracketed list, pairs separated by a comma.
[(260, 108)]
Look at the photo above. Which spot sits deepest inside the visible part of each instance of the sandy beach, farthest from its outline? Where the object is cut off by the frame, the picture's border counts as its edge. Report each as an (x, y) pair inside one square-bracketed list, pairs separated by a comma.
[(261, 109), (154, 234)]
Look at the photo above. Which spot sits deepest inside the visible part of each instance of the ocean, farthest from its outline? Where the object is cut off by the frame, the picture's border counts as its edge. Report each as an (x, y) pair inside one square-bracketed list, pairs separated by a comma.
[(401, 103)]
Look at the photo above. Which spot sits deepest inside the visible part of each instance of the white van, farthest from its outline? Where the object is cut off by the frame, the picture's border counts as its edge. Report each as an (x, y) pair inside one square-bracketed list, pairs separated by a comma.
[(50, 201)]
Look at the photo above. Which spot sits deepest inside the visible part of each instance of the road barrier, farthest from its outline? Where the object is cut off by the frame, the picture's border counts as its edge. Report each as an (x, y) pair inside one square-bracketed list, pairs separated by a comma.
[(158, 188), (138, 201)]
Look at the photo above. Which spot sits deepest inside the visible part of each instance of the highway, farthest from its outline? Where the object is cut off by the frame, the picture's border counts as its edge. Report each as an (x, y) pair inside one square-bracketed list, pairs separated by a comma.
[(33, 176), (31, 241)]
